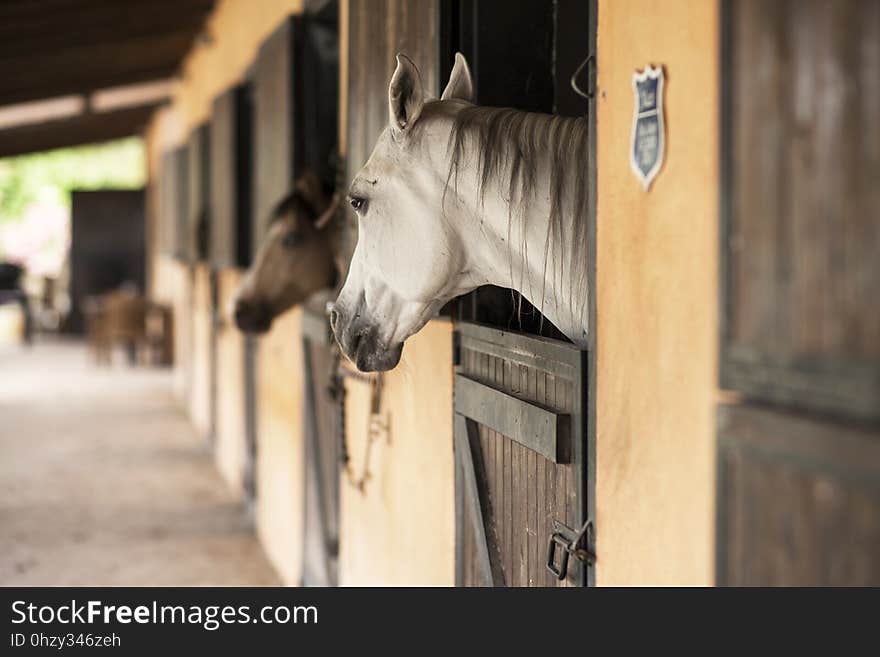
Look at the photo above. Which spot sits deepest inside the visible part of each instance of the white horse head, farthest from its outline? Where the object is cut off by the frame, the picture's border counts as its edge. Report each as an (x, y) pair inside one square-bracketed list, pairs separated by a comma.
[(447, 191)]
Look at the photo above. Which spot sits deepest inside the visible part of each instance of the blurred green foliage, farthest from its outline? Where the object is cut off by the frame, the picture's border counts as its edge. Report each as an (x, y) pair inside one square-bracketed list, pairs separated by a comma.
[(50, 176)]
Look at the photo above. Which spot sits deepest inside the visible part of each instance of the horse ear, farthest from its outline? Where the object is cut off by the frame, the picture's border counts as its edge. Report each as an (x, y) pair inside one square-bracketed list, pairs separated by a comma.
[(309, 193), (405, 94), (309, 187), (461, 84)]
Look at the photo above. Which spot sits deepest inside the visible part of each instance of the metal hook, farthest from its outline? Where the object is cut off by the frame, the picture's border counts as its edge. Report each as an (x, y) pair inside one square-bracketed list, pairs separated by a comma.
[(574, 84)]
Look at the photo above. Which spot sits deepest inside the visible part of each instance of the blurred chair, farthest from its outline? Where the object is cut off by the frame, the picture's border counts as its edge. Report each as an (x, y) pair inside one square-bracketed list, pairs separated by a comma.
[(126, 321), (125, 318)]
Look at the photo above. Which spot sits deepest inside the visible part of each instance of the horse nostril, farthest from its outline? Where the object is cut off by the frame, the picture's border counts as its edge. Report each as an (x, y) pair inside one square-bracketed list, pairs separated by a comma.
[(334, 319), (241, 313), (356, 342)]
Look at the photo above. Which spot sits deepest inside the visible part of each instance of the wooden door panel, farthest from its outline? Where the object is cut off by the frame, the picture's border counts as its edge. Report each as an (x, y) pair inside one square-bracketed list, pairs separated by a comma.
[(799, 500), (274, 124), (322, 430), (802, 228), (512, 489), (167, 214), (223, 183), (378, 30), (231, 178), (198, 217), (799, 482), (175, 202)]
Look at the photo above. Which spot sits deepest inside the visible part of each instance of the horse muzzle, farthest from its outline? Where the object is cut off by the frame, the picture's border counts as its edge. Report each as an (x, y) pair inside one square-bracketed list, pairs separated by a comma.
[(252, 317), (361, 344)]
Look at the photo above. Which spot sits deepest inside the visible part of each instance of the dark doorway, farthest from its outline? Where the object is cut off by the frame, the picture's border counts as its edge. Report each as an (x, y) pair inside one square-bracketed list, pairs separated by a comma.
[(106, 248)]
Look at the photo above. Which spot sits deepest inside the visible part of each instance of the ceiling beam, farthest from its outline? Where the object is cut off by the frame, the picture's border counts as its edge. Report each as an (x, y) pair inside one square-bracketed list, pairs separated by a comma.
[(120, 47), (55, 87), (35, 38), (87, 69), (39, 9), (75, 131), (52, 48)]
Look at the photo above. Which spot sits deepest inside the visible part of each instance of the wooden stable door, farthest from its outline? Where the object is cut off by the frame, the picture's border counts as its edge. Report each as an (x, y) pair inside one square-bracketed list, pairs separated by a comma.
[(521, 449), (323, 426), (799, 500), (799, 458), (519, 460)]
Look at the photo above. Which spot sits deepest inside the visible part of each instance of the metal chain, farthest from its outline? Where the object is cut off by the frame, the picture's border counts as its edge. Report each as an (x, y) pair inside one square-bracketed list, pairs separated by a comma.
[(376, 425)]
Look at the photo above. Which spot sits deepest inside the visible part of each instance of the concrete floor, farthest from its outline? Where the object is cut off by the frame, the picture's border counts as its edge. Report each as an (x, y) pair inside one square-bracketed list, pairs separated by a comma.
[(104, 482)]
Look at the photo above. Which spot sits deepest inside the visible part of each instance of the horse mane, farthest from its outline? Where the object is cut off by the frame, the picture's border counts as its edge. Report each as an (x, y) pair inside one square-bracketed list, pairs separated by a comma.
[(508, 145)]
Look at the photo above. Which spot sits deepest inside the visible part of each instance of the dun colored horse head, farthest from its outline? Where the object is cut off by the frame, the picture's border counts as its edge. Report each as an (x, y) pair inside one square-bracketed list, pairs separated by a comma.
[(294, 261)]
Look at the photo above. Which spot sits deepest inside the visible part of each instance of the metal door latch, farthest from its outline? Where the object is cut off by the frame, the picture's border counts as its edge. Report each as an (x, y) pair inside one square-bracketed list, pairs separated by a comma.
[(570, 544)]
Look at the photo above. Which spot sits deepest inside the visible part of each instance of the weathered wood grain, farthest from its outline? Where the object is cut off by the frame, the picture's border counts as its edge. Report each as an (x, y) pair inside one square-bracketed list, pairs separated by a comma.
[(802, 204), (799, 500)]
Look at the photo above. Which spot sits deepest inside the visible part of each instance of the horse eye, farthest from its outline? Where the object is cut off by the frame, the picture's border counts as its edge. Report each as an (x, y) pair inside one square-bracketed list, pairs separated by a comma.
[(357, 203), (291, 239)]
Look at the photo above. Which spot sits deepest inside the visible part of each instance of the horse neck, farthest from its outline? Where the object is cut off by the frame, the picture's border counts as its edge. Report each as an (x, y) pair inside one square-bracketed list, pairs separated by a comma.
[(511, 250)]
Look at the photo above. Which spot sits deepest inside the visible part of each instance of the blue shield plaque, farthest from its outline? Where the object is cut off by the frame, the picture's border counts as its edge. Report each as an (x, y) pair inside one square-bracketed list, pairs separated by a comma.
[(648, 131)]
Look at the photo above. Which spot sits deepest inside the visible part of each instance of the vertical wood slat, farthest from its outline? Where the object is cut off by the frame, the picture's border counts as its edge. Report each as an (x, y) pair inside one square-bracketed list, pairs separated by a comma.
[(529, 472), (547, 487), (502, 457), (489, 455), (518, 492), (509, 497), (561, 480)]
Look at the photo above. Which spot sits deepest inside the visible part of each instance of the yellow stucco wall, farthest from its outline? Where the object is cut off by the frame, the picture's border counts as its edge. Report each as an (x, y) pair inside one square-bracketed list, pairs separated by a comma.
[(171, 283), (235, 30), (657, 301), (201, 318), (230, 448), (280, 457), (401, 529)]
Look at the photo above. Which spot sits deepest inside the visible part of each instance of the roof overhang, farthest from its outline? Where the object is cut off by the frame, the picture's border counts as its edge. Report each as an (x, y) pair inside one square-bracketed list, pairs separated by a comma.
[(57, 50)]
